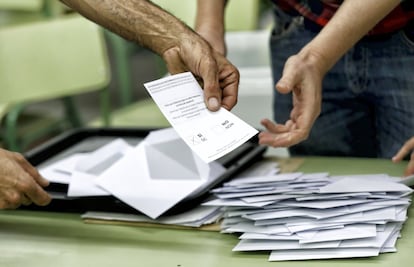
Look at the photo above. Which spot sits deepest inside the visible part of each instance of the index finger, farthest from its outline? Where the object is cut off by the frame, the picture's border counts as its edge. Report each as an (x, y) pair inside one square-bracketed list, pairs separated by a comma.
[(285, 139), (404, 150), (33, 191), (409, 170), (32, 171)]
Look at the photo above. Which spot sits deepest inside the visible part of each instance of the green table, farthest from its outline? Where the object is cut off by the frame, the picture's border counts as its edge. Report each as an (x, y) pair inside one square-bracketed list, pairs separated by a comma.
[(44, 239)]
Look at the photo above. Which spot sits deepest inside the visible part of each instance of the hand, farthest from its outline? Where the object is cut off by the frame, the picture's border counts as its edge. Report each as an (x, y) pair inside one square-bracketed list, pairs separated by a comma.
[(20, 182), (304, 80), (220, 79), (404, 150)]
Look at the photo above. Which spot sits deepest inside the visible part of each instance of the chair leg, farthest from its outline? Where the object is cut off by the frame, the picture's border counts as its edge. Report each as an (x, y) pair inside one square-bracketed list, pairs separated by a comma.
[(52, 8), (15, 142), (10, 135), (105, 106), (122, 53), (72, 112)]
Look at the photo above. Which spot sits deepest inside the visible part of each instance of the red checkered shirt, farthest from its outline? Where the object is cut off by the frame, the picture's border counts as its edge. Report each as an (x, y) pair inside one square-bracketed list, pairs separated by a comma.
[(320, 12)]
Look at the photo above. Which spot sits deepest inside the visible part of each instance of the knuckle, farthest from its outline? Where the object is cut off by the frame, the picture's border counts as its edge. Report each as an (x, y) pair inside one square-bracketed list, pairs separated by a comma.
[(42, 199), (19, 157), (235, 101), (24, 186), (45, 201), (14, 199)]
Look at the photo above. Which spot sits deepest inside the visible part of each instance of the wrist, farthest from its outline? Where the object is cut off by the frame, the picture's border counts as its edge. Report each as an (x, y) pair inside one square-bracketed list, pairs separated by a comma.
[(173, 39), (214, 37), (315, 59)]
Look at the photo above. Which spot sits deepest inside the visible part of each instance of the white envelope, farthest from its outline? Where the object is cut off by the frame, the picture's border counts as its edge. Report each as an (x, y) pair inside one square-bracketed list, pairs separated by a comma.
[(157, 174), (351, 184), (283, 177), (83, 184), (194, 217), (258, 245), (352, 231), (97, 161), (61, 171), (258, 236), (323, 253), (91, 166), (165, 145)]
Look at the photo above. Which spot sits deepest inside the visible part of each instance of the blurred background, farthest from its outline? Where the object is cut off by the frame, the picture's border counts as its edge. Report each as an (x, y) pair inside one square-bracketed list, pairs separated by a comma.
[(118, 99)]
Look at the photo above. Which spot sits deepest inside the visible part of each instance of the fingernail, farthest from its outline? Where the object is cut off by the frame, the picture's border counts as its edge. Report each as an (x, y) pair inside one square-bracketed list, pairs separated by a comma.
[(281, 84), (213, 103)]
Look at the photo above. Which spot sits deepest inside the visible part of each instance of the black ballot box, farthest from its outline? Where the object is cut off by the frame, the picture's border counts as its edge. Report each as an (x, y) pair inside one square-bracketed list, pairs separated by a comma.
[(86, 140)]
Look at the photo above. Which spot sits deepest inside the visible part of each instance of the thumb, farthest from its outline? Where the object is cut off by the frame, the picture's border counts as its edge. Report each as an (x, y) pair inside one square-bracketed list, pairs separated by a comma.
[(212, 91), (287, 81), (284, 86)]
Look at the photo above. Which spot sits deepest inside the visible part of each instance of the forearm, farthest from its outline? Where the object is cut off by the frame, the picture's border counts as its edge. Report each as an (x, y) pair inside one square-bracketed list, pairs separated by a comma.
[(350, 23), (135, 20), (210, 15), (210, 22)]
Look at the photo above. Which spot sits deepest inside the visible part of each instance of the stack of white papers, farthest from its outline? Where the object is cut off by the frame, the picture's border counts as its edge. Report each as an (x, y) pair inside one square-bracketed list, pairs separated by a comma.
[(150, 177), (301, 216), (197, 217)]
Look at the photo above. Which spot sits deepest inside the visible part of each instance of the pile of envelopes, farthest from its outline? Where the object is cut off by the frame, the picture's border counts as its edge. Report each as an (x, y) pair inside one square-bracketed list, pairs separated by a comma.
[(301, 216)]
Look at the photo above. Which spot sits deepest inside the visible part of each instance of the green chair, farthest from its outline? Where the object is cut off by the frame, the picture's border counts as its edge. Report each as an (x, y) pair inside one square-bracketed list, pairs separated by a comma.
[(122, 51), (26, 5), (241, 15), (141, 114), (14, 12), (51, 59)]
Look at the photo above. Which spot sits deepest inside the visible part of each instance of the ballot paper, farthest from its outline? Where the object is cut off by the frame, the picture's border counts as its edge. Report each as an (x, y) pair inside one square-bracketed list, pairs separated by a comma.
[(326, 217), (210, 135), (61, 171)]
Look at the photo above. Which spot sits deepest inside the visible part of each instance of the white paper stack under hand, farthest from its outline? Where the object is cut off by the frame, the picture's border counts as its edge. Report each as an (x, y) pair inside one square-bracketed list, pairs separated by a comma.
[(313, 216)]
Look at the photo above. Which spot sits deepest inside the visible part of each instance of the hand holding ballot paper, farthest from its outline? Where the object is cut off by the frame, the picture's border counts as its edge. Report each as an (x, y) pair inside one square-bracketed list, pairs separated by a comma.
[(210, 135)]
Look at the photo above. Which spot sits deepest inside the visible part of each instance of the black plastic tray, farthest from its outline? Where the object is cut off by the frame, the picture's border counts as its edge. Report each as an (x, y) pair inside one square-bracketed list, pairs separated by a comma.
[(89, 139)]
